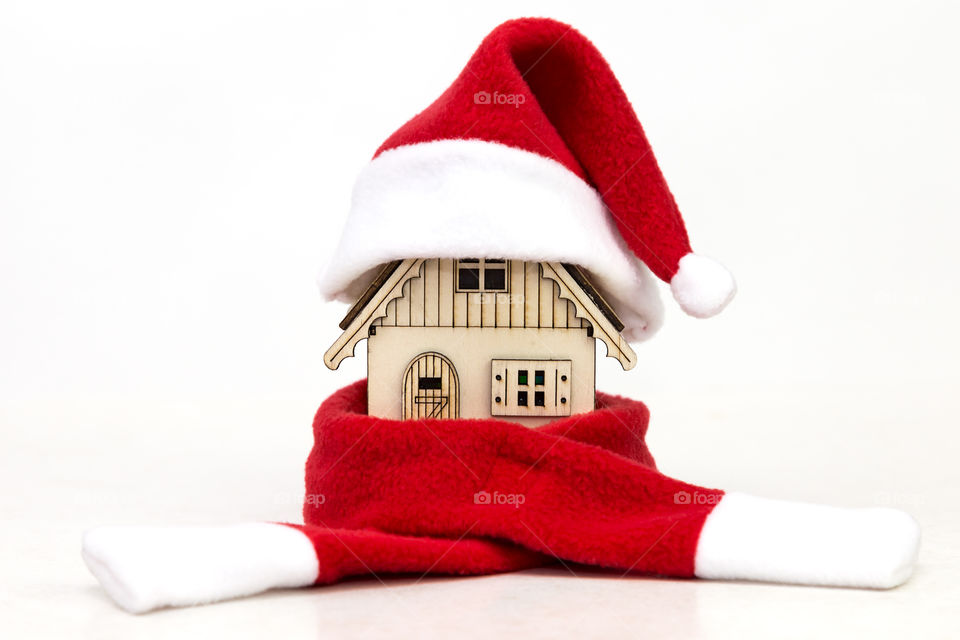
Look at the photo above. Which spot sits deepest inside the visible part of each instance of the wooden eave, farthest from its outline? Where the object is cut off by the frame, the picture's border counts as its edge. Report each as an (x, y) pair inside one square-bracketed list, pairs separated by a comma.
[(591, 305), (361, 316)]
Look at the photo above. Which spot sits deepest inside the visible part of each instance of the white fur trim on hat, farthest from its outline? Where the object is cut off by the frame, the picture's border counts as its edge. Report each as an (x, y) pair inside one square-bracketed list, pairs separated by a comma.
[(145, 568), (459, 198), (750, 538), (702, 286)]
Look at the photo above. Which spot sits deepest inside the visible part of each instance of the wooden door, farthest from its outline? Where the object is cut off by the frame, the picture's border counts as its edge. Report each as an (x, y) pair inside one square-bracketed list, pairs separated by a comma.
[(431, 388)]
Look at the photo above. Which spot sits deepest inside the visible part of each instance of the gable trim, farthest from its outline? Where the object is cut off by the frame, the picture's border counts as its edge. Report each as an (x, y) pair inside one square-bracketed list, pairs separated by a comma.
[(375, 307), (371, 291), (589, 308)]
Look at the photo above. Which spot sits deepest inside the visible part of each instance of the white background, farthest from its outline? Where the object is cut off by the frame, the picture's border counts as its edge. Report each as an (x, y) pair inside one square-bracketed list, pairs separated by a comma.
[(172, 176)]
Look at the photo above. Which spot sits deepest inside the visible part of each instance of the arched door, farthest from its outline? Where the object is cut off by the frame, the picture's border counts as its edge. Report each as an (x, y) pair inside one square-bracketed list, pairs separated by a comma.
[(431, 388)]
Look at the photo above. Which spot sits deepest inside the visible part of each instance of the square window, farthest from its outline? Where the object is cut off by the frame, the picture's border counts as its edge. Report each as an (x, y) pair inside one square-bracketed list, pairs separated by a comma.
[(494, 279), (468, 278), (538, 399), (482, 274), (521, 398), (522, 377), (538, 377)]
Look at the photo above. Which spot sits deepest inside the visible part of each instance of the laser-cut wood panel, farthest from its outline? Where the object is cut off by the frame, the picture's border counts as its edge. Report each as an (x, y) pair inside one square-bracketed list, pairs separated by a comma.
[(530, 387), (426, 293), (431, 299)]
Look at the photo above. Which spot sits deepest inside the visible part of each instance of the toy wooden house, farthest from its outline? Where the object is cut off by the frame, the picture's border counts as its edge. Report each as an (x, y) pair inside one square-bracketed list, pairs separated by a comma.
[(474, 338)]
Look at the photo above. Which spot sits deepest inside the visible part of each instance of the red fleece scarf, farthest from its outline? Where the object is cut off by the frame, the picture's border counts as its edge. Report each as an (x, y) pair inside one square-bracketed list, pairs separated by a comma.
[(485, 496)]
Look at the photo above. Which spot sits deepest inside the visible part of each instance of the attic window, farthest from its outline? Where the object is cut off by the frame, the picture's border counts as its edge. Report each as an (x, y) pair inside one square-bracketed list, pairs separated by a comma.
[(480, 274)]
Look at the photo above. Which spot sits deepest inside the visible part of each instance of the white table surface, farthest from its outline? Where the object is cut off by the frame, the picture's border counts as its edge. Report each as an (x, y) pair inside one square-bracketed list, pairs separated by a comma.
[(72, 463)]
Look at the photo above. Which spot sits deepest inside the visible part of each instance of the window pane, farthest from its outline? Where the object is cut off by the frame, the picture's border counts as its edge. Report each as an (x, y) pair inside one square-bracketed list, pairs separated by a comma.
[(499, 261), (468, 278), (538, 399), (522, 377), (494, 279), (521, 398), (430, 383), (538, 377)]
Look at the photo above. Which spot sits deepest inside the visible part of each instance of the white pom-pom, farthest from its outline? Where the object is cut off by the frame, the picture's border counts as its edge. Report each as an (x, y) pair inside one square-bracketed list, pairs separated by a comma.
[(702, 286)]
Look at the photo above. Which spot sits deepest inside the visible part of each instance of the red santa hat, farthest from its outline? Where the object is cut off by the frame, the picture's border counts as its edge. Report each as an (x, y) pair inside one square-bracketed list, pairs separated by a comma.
[(533, 153)]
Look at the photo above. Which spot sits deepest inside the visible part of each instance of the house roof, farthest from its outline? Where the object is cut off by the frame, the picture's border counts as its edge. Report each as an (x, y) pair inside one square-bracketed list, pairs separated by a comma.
[(581, 279), (371, 290)]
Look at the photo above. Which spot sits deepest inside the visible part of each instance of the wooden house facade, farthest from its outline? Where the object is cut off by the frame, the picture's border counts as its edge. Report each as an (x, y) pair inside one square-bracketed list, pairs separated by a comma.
[(475, 338)]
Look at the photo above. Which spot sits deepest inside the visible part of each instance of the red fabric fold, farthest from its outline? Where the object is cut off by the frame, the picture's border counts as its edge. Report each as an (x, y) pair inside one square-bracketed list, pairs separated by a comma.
[(485, 496)]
